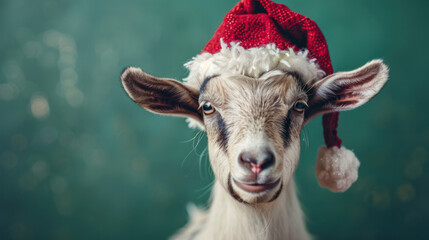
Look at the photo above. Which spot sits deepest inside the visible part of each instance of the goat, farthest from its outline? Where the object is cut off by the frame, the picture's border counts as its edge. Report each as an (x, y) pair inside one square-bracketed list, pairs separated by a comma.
[(253, 127), (253, 108)]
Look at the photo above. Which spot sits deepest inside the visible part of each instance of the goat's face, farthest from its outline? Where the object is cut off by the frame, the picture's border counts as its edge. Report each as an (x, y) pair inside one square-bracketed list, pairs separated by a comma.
[(253, 131), (253, 125)]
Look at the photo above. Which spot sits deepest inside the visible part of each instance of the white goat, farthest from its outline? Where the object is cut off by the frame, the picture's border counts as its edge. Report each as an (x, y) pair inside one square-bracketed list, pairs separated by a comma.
[(253, 119)]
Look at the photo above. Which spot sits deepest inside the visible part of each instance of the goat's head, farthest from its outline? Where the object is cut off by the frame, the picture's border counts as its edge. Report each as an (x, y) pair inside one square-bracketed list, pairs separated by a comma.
[(253, 124)]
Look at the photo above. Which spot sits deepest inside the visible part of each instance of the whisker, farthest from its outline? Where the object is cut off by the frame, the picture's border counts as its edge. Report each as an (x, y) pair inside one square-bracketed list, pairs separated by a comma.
[(192, 139), (305, 137), (205, 190), (193, 147)]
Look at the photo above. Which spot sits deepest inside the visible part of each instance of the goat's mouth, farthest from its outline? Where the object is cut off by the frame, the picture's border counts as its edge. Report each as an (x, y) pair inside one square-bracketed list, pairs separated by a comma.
[(255, 187), (254, 193)]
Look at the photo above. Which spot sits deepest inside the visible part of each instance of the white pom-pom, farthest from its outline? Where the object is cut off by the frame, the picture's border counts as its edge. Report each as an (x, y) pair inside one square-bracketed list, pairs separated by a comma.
[(336, 168)]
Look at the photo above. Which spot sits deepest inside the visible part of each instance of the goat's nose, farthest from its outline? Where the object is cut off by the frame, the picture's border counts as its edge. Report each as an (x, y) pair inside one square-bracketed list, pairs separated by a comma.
[(256, 163)]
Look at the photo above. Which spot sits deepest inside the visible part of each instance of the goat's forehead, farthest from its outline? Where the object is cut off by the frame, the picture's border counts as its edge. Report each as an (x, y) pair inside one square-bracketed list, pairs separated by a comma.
[(243, 89)]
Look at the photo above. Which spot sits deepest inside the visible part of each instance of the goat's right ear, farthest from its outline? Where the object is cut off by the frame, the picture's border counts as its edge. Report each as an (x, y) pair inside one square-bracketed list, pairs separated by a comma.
[(160, 95), (347, 90)]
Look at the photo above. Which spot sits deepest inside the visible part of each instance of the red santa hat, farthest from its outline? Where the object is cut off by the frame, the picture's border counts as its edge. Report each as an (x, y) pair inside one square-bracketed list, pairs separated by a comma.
[(257, 36)]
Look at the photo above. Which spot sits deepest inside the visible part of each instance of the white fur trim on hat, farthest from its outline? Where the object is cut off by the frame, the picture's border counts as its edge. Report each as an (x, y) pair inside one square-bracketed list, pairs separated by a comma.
[(336, 168), (252, 62)]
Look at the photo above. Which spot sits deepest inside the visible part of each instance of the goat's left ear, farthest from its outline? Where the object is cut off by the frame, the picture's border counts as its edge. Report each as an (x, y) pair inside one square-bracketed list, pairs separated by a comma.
[(160, 95), (347, 90)]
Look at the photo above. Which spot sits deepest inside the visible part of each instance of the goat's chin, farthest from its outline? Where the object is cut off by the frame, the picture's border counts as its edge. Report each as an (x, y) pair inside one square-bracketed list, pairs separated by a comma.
[(254, 197)]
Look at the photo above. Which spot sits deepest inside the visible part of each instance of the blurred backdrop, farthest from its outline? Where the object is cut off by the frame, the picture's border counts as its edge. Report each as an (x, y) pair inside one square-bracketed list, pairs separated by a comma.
[(79, 160)]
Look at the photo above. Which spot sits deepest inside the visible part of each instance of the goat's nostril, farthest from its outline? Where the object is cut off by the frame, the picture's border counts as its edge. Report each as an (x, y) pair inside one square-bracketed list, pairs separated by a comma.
[(268, 160), (248, 158), (248, 161), (256, 163)]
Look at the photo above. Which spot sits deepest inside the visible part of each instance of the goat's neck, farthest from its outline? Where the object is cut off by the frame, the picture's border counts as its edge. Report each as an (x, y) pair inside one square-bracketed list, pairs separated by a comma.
[(229, 219)]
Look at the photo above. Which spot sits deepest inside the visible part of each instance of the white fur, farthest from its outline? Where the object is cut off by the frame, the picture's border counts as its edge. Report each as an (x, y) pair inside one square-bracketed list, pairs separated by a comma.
[(252, 62), (229, 219), (336, 168)]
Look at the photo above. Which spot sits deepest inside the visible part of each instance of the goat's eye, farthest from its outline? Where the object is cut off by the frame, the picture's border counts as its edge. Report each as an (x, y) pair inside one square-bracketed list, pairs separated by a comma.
[(208, 108), (300, 106)]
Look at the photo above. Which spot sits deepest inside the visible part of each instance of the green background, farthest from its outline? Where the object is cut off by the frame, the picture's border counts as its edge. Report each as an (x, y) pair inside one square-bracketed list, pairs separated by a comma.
[(79, 160)]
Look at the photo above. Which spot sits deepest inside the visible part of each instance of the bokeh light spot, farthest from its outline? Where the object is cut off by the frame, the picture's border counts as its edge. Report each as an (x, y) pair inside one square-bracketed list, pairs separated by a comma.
[(64, 204), (62, 233), (20, 231), (40, 169), (13, 73), (74, 97), (413, 169), (406, 192), (381, 199), (68, 77), (8, 91), (39, 107)]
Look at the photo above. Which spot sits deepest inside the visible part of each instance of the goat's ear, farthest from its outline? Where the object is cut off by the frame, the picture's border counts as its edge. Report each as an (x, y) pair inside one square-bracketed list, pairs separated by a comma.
[(163, 96), (347, 90)]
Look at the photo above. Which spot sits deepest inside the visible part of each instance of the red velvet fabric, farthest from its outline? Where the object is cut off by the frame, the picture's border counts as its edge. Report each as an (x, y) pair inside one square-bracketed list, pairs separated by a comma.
[(255, 23)]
